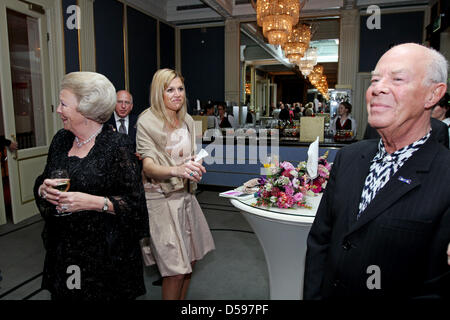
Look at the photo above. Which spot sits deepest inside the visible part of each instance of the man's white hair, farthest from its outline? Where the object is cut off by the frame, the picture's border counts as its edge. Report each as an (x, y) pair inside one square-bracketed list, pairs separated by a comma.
[(437, 70)]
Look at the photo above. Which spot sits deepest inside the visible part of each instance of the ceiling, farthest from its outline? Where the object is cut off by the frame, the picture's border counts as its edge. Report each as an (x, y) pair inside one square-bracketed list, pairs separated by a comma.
[(323, 14), (181, 12)]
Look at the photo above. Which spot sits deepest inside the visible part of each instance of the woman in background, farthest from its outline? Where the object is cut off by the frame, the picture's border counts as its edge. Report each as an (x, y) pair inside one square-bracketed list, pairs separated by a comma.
[(179, 233), (344, 121)]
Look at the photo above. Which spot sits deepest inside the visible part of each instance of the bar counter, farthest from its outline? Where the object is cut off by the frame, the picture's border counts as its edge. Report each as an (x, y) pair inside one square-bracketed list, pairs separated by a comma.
[(235, 160)]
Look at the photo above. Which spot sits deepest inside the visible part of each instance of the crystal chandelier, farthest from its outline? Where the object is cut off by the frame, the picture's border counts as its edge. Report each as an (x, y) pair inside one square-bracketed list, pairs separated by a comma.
[(316, 74), (309, 60), (319, 80), (297, 43), (277, 17), (322, 86)]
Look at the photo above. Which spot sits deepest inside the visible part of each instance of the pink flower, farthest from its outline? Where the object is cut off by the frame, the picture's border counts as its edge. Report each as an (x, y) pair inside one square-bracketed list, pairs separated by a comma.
[(288, 190), (287, 166), (323, 172), (298, 197), (290, 202)]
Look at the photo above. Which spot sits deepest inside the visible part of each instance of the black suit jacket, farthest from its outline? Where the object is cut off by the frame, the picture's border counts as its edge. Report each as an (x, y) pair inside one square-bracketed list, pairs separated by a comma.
[(404, 231), (439, 133), (131, 127)]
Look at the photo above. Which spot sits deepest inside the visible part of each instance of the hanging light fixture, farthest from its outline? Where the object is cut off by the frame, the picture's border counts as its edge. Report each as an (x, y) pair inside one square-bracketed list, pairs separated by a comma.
[(277, 17), (308, 61), (297, 43), (314, 76)]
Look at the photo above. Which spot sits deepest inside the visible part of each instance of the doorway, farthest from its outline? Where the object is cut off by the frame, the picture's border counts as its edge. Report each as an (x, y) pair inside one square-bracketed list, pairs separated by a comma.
[(25, 104)]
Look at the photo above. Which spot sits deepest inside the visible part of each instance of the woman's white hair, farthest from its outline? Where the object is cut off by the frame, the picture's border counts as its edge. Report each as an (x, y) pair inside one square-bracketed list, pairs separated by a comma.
[(96, 95), (437, 70)]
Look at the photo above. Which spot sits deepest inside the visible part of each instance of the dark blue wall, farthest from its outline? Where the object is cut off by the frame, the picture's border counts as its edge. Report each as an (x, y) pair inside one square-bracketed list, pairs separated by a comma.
[(141, 51), (167, 46), (396, 28), (203, 64), (72, 60), (142, 58), (109, 41)]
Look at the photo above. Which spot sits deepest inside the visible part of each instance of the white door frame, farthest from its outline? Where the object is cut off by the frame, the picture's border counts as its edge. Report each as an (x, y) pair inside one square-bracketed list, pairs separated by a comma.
[(27, 164)]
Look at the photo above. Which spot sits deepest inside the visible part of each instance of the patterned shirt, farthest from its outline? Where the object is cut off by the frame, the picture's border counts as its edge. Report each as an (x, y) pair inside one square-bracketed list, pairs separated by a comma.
[(383, 167)]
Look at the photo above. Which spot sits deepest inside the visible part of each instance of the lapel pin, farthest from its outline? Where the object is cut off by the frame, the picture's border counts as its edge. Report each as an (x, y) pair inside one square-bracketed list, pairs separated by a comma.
[(408, 181)]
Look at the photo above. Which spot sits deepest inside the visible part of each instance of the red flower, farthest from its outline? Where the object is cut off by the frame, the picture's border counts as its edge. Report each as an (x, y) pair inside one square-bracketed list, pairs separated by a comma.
[(286, 174)]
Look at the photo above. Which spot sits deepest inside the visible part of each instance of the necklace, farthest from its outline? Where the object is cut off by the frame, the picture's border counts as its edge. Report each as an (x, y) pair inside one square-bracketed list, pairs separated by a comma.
[(82, 143)]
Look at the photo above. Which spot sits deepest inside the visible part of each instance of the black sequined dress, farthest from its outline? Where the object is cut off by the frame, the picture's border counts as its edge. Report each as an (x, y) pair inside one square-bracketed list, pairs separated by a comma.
[(104, 246)]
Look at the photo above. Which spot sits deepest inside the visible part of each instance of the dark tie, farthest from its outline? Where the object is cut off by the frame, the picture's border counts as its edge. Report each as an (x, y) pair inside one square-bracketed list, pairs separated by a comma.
[(122, 126)]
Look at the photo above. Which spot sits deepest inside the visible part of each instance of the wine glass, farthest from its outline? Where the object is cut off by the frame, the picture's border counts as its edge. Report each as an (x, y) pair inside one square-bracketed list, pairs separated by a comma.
[(63, 185)]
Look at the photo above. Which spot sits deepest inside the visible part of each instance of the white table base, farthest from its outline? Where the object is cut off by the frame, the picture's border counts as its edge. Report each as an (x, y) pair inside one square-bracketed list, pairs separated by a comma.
[(284, 246)]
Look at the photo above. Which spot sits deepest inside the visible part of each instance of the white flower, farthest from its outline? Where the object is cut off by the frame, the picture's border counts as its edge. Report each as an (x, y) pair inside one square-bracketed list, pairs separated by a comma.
[(302, 165), (268, 187), (294, 173), (273, 199), (296, 183), (282, 181), (274, 170)]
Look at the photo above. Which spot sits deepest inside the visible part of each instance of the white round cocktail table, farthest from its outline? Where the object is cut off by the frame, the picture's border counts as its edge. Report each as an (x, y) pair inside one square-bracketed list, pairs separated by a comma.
[(282, 234)]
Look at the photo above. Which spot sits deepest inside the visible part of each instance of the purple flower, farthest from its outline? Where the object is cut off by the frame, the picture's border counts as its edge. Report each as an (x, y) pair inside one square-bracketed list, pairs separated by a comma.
[(262, 180)]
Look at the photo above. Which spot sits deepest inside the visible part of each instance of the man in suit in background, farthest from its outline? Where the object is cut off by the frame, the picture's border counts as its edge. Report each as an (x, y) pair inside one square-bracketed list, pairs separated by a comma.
[(383, 226), (121, 119)]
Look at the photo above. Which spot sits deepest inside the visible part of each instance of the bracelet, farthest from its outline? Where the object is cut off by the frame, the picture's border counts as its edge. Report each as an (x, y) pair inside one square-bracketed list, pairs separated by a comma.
[(105, 205)]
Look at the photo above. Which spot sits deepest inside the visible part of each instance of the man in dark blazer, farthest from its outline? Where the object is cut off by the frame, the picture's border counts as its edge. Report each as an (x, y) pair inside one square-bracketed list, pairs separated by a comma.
[(383, 226), (121, 120)]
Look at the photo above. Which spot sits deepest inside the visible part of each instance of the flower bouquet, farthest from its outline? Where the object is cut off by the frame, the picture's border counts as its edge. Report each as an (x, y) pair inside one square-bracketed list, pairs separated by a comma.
[(285, 186), (317, 184)]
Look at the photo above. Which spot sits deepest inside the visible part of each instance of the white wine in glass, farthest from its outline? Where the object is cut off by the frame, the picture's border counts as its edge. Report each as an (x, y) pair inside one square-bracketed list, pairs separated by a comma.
[(63, 183)]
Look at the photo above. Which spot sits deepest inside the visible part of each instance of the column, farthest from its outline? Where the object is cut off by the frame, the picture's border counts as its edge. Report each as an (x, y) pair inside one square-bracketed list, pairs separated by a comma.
[(348, 48), (232, 60), (87, 36), (349, 63)]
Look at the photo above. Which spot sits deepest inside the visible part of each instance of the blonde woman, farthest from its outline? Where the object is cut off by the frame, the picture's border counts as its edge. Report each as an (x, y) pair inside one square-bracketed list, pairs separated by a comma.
[(179, 233)]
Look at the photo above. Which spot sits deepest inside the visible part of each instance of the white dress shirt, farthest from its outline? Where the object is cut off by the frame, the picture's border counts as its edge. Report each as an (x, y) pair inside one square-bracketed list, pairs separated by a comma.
[(118, 123)]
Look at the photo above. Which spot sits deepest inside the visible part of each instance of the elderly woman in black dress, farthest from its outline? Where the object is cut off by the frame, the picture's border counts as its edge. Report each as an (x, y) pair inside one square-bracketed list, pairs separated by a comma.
[(92, 231)]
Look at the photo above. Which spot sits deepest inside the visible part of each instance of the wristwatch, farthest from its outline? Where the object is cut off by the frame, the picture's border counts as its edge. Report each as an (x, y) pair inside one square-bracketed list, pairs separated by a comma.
[(105, 205)]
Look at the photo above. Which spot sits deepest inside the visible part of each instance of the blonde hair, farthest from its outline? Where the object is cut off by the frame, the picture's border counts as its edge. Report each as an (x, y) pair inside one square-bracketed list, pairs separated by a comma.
[(161, 80), (95, 94), (309, 105)]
